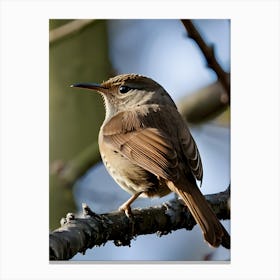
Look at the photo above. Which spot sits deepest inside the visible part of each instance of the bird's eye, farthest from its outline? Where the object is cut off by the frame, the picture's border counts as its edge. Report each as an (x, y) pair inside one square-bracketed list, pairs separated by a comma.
[(124, 89)]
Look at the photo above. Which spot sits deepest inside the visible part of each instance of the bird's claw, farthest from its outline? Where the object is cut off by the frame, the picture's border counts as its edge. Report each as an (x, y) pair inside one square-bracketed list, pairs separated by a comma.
[(127, 210)]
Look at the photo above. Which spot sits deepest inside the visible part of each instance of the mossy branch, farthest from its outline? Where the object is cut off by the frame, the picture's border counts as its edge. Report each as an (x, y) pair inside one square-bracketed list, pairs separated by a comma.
[(79, 234)]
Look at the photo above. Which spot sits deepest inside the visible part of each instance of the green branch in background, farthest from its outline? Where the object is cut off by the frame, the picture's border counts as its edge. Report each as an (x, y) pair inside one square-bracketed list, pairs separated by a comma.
[(204, 104), (68, 28), (70, 171), (75, 54)]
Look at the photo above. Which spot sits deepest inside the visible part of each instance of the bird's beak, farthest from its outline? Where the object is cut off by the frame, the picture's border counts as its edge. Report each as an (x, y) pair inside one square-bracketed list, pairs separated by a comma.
[(91, 86)]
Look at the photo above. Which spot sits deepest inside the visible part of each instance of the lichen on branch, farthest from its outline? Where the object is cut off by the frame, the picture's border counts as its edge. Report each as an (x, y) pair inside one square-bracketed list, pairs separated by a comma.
[(79, 234)]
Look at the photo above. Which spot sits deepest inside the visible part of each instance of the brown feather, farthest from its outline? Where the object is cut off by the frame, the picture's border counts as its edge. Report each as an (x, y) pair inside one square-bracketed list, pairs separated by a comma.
[(213, 231), (134, 135), (151, 117), (149, 149)]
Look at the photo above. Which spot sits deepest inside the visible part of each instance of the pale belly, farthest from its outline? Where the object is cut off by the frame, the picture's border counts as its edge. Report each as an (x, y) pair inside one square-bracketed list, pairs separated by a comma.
[(131, 177)]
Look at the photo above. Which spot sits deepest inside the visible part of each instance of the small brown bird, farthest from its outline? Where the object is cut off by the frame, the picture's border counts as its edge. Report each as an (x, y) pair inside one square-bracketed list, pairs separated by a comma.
[(148, 149)]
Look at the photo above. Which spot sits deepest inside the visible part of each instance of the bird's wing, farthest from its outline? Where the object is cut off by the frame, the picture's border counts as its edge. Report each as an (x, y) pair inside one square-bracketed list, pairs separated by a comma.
[(147, 147), (191, 153)]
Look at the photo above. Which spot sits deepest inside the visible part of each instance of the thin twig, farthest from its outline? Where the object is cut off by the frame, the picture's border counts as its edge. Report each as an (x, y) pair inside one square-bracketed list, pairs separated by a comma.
[(209, 55)]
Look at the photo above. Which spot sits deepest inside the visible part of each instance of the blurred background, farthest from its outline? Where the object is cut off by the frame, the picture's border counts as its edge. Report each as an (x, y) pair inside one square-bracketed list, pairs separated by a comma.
[(93, 51)]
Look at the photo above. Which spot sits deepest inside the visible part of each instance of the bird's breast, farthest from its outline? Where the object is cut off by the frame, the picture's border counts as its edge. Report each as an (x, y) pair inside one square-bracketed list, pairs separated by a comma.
[(130, 176)]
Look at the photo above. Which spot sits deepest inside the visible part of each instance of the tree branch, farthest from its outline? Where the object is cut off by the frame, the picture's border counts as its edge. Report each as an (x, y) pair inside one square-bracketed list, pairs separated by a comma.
[(68, 28), (79, 234), (209, 54), (204, 104), (73, 169)]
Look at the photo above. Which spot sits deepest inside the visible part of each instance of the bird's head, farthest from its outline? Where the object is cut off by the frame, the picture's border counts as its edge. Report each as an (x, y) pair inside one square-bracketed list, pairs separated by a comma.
[(127, 91)]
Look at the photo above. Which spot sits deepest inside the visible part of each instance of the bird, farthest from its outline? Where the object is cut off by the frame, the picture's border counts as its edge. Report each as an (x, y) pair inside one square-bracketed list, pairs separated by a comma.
[(147, 147)]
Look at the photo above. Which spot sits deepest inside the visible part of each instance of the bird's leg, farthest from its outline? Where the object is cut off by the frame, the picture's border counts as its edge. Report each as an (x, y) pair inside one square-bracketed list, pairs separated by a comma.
[(126, 206)]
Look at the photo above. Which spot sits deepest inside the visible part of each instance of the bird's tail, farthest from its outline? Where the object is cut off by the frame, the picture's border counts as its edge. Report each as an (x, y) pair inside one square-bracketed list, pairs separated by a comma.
[(213, 231)]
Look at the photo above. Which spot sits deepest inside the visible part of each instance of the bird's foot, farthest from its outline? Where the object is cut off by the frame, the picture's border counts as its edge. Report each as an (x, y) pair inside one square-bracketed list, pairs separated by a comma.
[(127, 210)]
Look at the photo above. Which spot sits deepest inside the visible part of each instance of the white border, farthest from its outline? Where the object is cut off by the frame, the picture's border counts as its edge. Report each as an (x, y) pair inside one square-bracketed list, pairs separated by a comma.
[(255, 138)]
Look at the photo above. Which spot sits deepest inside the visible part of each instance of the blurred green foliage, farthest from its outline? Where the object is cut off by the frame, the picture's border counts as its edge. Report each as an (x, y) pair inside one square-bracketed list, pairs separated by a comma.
[(75, 115)]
